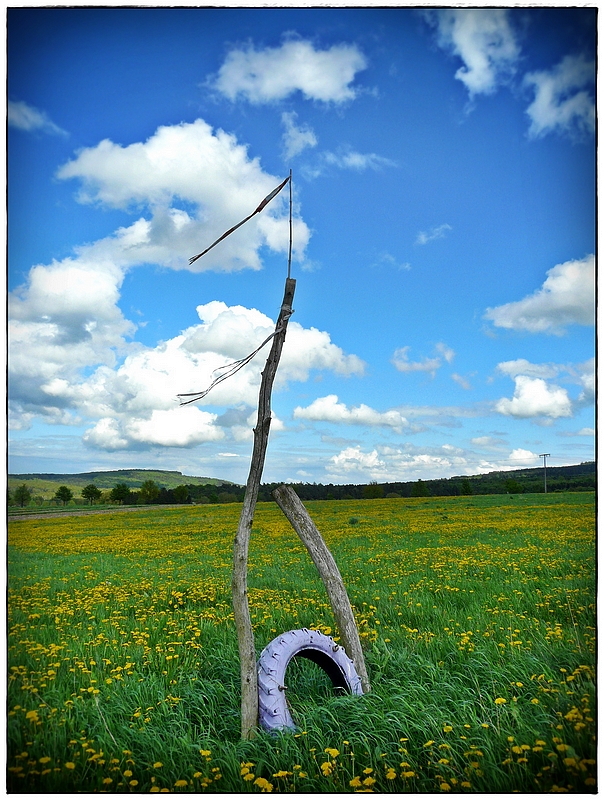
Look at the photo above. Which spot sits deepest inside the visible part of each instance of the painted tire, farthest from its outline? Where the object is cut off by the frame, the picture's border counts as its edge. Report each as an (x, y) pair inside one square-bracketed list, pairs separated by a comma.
[(273, 712)]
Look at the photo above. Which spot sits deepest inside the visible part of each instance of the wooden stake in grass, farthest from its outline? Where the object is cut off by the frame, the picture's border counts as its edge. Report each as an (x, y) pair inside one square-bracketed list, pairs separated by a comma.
[(300, 520), (245, 634)]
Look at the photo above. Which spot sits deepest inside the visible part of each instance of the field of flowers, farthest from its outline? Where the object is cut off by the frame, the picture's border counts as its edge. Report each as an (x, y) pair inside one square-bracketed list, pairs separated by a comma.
[(477, 615)]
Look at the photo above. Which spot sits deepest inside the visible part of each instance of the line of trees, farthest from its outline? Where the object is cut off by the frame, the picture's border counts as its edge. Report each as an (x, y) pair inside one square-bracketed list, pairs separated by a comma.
[(581, 477)]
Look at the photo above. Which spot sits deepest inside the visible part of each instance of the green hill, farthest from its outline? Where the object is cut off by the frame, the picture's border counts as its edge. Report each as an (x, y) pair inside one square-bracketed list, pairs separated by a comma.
[(46, 484)]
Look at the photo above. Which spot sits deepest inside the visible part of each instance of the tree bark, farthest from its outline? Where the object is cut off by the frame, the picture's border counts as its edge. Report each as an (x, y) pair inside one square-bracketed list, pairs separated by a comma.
[(299, 518), (245, 633)]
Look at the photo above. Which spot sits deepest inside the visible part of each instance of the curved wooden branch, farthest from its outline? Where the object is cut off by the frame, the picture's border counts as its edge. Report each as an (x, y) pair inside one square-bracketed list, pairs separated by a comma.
[(300, 520)]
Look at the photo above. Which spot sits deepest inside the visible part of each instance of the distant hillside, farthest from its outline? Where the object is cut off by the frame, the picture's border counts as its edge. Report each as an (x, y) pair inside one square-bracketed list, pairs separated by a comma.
[(45, 484)]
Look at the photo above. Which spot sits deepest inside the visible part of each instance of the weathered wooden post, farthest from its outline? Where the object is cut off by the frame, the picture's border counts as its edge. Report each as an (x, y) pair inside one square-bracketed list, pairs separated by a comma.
[(300, 520), (245, 633)]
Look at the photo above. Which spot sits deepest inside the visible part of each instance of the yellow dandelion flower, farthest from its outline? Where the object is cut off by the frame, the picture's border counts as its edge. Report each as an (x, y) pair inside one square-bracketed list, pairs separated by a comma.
[(390, 774), (180, 782), (69, 765), (133, 783), (499, 701), (409, 774), (326, 768), (429, 742), (355, 782), (44, 759), (369, 781), (448, 728), (154, 789), (127, 773), (107, 781), (368, 771), (445, 787), (249, 776), (332, 752)]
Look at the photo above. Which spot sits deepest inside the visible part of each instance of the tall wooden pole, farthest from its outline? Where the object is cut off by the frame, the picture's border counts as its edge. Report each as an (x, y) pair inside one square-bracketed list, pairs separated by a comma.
[(245, 633)]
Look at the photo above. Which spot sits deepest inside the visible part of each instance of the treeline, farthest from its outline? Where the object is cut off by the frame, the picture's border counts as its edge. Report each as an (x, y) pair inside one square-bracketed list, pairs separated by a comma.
[(576, 478)]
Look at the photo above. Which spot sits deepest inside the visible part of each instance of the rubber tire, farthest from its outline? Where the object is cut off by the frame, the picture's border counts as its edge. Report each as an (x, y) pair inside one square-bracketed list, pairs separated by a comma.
[(273, 713)]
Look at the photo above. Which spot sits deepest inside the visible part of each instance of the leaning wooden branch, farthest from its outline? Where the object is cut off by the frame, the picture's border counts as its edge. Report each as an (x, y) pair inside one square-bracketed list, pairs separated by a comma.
[(299, 518), (245, 634)]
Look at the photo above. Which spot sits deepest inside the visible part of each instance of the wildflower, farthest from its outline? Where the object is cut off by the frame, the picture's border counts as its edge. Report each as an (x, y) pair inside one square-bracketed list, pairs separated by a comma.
[(154, 789), (368, 771), (69, 765), (448, 728), (466, 784), (44, 759), (369, 781), (195, 775), (157, 765), (107, 781), (390, 774), (127, 773), (263, 784), (429, 742), (133, 783), (499, 701), (445, 787), (332, 752), (355, 782), (205, 752), (181, 782), (409, 774), (282, 773), (535, 701), (326, 768), (249, 776)]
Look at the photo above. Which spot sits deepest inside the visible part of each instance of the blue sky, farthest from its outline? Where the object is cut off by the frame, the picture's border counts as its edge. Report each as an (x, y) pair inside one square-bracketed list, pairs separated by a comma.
[(444, 236)]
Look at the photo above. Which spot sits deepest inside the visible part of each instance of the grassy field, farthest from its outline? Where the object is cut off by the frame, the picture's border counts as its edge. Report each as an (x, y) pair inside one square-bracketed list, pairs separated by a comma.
[(477, 615)]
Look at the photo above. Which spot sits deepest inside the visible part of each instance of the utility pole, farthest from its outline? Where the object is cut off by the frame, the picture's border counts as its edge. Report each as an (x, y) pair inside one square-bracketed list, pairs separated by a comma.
[(544, 457)]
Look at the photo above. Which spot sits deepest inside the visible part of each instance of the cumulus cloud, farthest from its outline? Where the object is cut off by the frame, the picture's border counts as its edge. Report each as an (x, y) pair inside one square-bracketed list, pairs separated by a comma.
[(191, 183), (533, 397), (567, 297), (272, 74), (328, 409), (133, 404), (484, 40), (386, 463), (296, 138), (423, 237), (27, 118), (401, 361), (564, 101), (587, 379)]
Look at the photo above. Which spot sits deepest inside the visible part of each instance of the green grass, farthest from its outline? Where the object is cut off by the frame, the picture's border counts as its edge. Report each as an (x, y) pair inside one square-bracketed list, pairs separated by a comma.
[(123, 654)]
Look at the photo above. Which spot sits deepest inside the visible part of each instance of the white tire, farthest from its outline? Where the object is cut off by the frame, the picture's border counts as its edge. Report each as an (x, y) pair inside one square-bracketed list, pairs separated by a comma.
[(273, 712)]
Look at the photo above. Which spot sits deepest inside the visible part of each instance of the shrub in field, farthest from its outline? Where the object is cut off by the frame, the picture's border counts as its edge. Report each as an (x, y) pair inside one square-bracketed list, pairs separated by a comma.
[(477, 616)]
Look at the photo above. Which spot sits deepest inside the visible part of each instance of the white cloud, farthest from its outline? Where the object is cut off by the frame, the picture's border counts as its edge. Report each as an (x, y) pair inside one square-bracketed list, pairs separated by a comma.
[(567, 297), (521, 366), (587, 378), (439, 232), (134, 405), (401, 361), (194, 183), (27, 118), (274, 73), (296, 138), (345, 158), (484, 40), (522, 458), (533, 397), (446, 352), (563, 102), (463, 382), (328, 409)]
